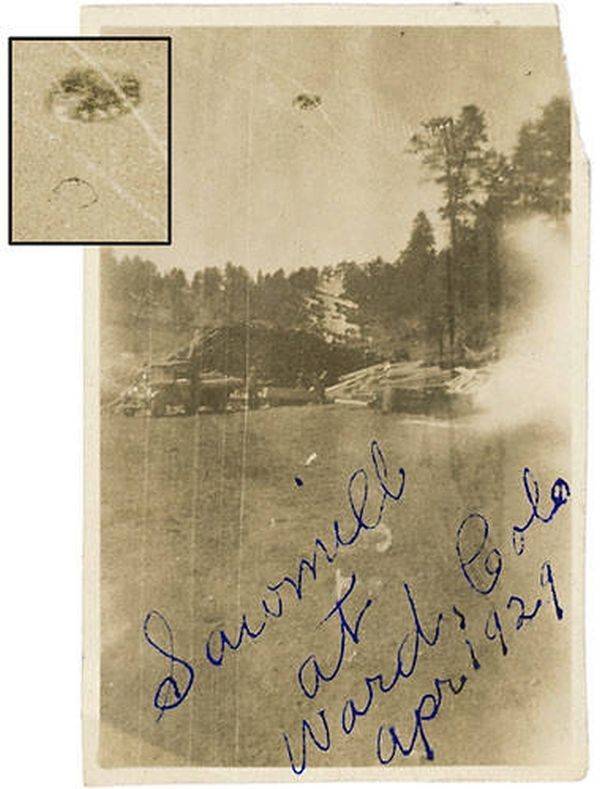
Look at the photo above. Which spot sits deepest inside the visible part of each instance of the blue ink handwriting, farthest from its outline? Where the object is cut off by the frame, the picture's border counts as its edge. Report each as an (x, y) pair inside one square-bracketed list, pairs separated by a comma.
[(559, 494), (170, 692)]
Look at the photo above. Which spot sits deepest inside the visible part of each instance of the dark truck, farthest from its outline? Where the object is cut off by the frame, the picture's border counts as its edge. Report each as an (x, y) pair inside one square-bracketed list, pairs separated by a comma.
[(175, 387)]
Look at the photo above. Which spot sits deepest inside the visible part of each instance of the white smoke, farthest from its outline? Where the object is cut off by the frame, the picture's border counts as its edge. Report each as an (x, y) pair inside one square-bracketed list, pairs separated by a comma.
[(532, 380)]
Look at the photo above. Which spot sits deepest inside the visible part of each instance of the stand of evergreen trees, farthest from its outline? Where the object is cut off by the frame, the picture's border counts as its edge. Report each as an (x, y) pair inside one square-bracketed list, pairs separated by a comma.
[(429, 301)]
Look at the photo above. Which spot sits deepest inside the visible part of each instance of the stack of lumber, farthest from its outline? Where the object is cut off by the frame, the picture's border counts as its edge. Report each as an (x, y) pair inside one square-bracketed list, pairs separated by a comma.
[(467, 380), (366, 385)]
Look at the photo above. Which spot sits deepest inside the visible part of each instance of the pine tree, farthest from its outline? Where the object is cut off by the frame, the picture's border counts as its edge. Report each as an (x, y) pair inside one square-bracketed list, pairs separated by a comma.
[(454, 149)]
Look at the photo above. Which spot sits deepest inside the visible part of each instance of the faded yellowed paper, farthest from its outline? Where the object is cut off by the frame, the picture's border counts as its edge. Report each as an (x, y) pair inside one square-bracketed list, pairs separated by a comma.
[(90, 141), (336, 434)]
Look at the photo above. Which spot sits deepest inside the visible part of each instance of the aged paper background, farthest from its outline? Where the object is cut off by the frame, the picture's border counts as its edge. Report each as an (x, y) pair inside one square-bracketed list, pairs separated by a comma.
[(90, 141), (194, 516)]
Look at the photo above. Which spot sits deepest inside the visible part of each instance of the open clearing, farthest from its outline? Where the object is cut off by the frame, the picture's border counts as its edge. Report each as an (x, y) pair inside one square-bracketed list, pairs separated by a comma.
[(213, 498)]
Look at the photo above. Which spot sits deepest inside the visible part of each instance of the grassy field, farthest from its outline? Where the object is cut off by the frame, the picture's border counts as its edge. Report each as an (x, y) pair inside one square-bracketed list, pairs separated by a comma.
[(200, 513)]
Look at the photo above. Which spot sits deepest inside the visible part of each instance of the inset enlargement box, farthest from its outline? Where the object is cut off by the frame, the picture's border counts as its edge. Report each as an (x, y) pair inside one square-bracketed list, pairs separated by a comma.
[(90, 140)]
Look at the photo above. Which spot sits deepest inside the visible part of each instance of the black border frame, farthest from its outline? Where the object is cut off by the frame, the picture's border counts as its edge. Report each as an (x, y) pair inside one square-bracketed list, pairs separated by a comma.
[(169, 240)]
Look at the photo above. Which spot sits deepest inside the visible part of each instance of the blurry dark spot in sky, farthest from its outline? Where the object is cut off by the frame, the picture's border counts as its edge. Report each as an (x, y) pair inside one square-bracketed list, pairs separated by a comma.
[(87, 95), (307, 101)]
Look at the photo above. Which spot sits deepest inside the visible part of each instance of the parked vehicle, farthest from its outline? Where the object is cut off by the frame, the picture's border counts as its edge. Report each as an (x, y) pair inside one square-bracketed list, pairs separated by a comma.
[(173, 387)]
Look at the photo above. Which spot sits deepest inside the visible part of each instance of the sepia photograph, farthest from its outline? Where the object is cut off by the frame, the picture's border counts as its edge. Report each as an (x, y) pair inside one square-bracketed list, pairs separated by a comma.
[(335, 433)]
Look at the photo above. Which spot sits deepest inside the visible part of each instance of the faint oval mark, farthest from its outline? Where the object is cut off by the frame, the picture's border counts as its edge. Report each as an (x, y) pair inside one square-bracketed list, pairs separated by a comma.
[(75, 192), (87, 96)]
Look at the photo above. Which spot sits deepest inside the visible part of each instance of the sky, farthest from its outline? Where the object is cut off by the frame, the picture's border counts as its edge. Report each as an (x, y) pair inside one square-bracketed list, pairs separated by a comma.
[(261, 183)]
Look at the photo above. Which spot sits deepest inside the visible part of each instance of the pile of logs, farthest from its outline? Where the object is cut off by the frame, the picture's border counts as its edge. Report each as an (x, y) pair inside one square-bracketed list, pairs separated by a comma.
[(279, 356)]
